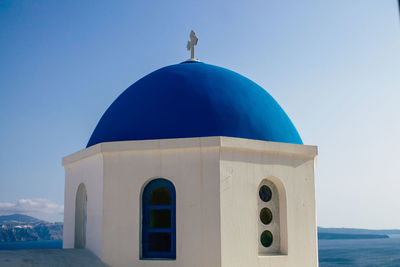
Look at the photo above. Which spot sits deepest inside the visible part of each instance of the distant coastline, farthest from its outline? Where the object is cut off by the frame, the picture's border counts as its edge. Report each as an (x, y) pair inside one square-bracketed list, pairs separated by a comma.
[(331, 236), (358, 231), (21, 228), (354, 233)]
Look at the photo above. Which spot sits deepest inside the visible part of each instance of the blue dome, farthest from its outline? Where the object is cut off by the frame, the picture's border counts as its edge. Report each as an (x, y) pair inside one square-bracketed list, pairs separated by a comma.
[(194, 99)]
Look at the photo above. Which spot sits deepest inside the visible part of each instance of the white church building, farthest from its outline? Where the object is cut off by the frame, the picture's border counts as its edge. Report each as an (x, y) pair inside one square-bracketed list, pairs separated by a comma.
[(193, 165)]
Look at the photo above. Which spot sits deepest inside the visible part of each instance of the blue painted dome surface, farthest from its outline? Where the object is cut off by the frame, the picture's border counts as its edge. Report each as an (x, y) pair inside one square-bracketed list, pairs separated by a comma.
[(194, 99)]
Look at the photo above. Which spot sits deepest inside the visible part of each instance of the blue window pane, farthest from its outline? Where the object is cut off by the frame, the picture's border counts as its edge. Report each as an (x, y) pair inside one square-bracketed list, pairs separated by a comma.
[(265, 193)]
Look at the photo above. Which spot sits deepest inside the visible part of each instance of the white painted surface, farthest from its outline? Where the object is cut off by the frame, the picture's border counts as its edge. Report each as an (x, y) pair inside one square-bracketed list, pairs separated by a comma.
[(89, 171), (216, 181), (192, 43), (245, 169)]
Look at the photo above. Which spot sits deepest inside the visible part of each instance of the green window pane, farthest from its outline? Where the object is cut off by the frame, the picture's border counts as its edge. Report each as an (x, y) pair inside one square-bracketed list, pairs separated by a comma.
[(266, 239), (265, 193), (160, 219), (160, 196), (266, 215)]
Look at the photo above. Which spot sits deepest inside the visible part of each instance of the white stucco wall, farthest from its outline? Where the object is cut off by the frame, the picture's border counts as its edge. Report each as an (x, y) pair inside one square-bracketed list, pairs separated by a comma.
[(89, 171), (193, 170), (216, 181), (244, 165)]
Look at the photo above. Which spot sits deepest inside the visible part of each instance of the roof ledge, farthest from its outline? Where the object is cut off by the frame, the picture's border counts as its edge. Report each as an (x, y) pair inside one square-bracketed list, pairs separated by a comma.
[(187, 143)]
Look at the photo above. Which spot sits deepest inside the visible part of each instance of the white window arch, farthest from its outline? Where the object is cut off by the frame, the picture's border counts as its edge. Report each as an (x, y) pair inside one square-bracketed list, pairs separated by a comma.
[(272, 218)]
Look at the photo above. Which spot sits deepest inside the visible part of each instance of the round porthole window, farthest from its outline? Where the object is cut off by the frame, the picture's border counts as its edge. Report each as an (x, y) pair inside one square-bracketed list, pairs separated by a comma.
[(266, 238), (265, 193), (266, 215)]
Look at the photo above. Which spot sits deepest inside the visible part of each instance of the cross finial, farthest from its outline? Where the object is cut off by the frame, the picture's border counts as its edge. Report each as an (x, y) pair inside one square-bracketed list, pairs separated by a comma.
[(190, 44)]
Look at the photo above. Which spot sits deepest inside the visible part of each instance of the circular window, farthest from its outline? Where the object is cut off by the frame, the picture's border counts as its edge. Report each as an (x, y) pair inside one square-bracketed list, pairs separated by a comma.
[(266, 215), (266, 239), (265, 193)]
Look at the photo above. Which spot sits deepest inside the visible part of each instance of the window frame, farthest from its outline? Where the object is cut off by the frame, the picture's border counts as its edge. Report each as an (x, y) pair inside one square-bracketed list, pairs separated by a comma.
[(146, 230)]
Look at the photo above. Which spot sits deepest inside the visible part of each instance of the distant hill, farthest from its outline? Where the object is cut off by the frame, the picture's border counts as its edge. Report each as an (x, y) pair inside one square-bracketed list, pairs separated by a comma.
[(19, 227), (349, 236), (357, 231), (17, 219)]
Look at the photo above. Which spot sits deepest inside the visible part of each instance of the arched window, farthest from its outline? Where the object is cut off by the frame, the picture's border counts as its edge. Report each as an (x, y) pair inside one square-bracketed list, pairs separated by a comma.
[(80, 216), (272, 217), (159, 220)]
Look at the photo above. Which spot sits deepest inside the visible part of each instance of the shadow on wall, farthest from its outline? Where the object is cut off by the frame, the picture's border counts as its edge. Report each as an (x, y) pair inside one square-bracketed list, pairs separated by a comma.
[(80, 216)]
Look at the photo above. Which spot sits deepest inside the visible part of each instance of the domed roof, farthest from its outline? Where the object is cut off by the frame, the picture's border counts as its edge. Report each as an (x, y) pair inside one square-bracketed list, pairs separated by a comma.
[(194, 99)]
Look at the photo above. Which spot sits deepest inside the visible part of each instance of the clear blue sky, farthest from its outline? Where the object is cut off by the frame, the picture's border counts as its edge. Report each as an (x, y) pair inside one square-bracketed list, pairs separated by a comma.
[(334, 66)]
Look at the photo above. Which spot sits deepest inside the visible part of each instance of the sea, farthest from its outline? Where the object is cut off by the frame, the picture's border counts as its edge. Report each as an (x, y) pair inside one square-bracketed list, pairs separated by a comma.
[(360, 252), (332, 253), (42, 244)]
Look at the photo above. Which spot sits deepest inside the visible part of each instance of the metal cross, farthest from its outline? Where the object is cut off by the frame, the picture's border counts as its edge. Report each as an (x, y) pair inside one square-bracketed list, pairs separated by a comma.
[(190, 44)]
